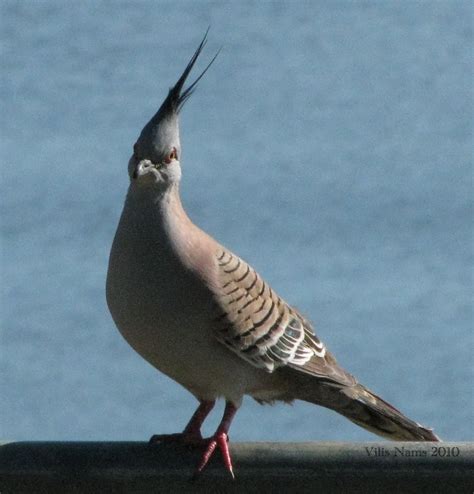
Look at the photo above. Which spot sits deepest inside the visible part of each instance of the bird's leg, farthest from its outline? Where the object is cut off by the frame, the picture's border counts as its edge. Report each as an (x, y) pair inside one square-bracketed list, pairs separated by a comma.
[(202, 411), (191, 434), (219, 440)]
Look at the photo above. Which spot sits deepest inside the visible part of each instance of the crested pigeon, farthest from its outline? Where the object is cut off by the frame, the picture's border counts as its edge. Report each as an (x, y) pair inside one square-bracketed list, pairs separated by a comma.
[(205, 318)]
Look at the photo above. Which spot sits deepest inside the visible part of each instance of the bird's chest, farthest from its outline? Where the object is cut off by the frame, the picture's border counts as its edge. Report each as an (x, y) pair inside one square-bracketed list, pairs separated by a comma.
[(160, 297), (158, 303)]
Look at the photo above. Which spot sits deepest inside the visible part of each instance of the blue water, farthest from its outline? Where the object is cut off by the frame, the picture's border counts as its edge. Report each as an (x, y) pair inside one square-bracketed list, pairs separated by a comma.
[(329, 145)]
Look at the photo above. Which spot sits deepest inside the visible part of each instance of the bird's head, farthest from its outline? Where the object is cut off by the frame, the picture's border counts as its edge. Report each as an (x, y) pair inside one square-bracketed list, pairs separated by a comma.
[(156, 154)]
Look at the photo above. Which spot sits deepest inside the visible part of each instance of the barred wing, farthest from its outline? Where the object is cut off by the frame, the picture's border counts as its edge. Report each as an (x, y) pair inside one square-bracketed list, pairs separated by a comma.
[(254, 322)]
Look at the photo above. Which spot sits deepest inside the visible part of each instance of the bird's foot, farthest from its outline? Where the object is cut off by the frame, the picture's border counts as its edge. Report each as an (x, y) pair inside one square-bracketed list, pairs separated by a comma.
[(191, 439), (219, 440)]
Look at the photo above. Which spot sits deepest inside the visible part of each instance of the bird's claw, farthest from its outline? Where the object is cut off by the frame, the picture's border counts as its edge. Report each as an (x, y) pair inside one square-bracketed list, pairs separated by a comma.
[(220, 441)]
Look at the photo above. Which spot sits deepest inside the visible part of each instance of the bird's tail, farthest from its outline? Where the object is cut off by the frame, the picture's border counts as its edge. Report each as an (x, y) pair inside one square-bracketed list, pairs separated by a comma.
[(367, 410)]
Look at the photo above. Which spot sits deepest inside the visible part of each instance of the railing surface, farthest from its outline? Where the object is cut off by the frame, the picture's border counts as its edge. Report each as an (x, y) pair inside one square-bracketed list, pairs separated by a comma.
[(136, 467)]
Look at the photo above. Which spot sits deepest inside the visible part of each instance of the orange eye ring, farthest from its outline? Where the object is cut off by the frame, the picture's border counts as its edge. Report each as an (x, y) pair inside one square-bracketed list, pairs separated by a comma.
[(171, 157)]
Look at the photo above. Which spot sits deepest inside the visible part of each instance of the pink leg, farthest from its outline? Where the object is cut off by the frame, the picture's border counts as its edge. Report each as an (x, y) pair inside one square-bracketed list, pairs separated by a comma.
[(192, 432), (202, 411), (219, 440)]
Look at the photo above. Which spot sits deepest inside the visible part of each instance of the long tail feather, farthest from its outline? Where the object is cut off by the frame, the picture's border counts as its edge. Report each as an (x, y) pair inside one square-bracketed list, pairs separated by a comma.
[(366, 409)]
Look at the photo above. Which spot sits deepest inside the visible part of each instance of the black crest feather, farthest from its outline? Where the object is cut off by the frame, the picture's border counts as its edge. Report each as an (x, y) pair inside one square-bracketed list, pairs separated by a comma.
[(176, 98)]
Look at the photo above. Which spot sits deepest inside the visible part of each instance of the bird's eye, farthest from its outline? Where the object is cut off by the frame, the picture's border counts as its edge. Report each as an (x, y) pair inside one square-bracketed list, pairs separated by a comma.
[(173, 155)]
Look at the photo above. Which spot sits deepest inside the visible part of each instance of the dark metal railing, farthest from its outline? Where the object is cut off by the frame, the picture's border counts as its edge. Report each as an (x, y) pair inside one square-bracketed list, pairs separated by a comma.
[(129, 467)]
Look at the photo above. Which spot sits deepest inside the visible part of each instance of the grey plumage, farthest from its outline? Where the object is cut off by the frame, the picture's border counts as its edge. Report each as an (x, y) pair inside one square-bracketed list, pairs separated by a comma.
[(203, 316), (162, 130)]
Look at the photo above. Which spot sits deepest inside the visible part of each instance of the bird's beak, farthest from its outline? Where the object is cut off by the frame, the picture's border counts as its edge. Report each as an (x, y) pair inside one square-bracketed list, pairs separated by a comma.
[(144, 167)]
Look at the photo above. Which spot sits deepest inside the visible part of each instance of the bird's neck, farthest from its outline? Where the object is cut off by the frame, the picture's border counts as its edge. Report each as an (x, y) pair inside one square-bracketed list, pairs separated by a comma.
[(161, 203), (160, 213), (160, 227)]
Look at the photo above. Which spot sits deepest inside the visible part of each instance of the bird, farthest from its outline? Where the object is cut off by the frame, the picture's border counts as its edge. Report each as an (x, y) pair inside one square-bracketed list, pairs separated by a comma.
[(204, 317)]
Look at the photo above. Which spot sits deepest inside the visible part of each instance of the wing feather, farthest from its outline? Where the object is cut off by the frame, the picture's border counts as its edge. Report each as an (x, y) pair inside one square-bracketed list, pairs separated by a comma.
[(259, 326)]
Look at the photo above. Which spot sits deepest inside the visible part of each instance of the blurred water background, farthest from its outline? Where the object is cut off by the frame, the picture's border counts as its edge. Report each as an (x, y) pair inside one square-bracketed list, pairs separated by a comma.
[(330, 146)]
